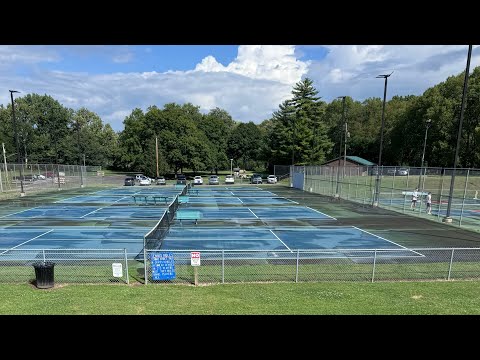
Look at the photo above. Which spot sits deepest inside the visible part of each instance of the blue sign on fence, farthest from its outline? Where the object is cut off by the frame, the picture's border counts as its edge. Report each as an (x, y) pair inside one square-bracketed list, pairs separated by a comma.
[(163, 266)]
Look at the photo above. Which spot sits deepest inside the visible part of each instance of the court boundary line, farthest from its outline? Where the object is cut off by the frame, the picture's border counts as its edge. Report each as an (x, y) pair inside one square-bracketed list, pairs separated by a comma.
[(331, 217), (18, 212), (91, 212), (73, 197), (253, 213), (281, 241), (36, 237), (240, 200), (365, 231)]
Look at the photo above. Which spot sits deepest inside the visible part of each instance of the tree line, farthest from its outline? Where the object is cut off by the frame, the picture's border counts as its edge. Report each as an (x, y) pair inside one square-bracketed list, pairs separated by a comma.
[(304, 130)]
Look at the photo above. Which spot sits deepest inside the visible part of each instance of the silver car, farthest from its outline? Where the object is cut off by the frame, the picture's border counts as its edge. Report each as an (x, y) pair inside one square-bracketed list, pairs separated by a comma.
[(213, 180)]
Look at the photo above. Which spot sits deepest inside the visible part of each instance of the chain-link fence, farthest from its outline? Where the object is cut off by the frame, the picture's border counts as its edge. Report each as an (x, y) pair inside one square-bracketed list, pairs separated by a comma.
[(392, 188), (33, 178), (71, 265), (322, 265), (235, 266)]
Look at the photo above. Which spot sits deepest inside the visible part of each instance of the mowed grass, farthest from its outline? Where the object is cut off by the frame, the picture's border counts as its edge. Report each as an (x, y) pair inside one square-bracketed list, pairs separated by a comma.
[(274, 299)]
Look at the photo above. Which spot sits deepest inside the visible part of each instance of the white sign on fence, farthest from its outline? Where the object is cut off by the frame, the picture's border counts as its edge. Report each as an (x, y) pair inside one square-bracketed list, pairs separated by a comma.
[(195, 258), (117, 270)]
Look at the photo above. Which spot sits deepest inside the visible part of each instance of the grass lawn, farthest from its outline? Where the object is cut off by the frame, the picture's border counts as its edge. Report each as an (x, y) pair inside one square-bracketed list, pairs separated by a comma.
[(454, 297)]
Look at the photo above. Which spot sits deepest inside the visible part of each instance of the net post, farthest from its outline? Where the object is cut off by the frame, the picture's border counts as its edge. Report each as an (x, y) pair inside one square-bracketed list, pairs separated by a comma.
[(374, 264)]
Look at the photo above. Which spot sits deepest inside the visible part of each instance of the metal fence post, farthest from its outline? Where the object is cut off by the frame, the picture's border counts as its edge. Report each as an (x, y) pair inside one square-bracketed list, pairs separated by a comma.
[(464, 196), (296, 272), (43, 253), (223, 266), (145, 260), (441, 193), (126, 265), (374, 264), (450, 266)]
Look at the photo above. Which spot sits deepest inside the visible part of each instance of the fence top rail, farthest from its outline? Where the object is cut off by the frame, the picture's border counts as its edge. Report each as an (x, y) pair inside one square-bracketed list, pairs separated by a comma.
[(66, 249), (313, 250)]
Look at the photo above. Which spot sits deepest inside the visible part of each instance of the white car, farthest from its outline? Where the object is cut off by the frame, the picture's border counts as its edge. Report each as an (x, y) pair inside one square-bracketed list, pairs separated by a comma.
[(145, 181), (229, 179), (271, 179), (197, 180)]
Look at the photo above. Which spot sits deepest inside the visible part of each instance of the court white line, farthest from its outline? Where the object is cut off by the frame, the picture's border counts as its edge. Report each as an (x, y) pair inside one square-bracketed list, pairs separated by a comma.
[(281, 241), (120, 199), (253, 213), (18, 212), (61, 200), (240, 200), (91, 212), (387, 240), (331, 217), (231, 192), (36, 237)]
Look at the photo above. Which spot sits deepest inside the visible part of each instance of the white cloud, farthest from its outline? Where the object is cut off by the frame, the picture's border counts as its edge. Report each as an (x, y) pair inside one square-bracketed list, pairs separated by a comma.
[(268, 62), (351, 70), (250, 87)]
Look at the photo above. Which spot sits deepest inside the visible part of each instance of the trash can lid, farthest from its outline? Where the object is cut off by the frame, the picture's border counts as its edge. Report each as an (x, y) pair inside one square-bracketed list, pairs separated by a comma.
[(44, 264)]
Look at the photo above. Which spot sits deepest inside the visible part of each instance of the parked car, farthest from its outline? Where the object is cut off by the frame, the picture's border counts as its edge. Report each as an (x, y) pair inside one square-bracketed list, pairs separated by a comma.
[(256, 179), (145, 181), (229, 179), (213, 180), (139, 177), (40, 177), (161, 181), (391, 171), (181, 179), (197, 180), (129, 181), (403, 172), (271, 179)]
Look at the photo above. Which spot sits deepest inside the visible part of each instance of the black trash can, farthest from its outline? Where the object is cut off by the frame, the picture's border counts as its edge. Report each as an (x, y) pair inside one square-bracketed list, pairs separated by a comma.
[(44, 274)]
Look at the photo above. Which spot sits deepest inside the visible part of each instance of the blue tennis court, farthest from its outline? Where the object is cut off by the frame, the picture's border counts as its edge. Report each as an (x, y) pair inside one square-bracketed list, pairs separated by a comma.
[(240, 201), (226, 193), (262, 213), (89, 212), (282, 238), (73, 238)]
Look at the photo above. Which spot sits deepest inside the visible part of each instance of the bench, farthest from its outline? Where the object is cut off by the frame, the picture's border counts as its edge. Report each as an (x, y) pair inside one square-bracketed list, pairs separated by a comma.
[(139, 196), (188, 215), (182, 199), (155, 197)]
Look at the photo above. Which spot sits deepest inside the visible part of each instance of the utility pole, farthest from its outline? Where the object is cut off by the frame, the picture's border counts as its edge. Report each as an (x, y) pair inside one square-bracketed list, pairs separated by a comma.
[(5, 162), (19, 158), (447, 218), (156, 151), (377, 179)]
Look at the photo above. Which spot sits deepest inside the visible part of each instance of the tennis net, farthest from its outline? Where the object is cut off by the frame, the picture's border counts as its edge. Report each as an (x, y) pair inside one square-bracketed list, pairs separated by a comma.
[(153, 239)]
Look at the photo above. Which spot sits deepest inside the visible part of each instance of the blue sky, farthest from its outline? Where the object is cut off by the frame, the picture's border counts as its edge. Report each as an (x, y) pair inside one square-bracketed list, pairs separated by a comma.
[(249, 81)]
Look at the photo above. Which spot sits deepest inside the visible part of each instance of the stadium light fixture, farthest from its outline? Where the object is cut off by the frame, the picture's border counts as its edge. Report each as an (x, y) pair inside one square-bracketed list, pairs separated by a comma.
[(447, 218), (422, 174), (377, 179), (19, 158), (337, 194)]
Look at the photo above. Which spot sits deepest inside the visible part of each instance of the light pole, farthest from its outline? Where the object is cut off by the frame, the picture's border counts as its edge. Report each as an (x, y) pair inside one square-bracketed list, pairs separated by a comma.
[(447, 217), (19, 158), (337, 194), (231, 166), (377, 179), (422, 175)]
